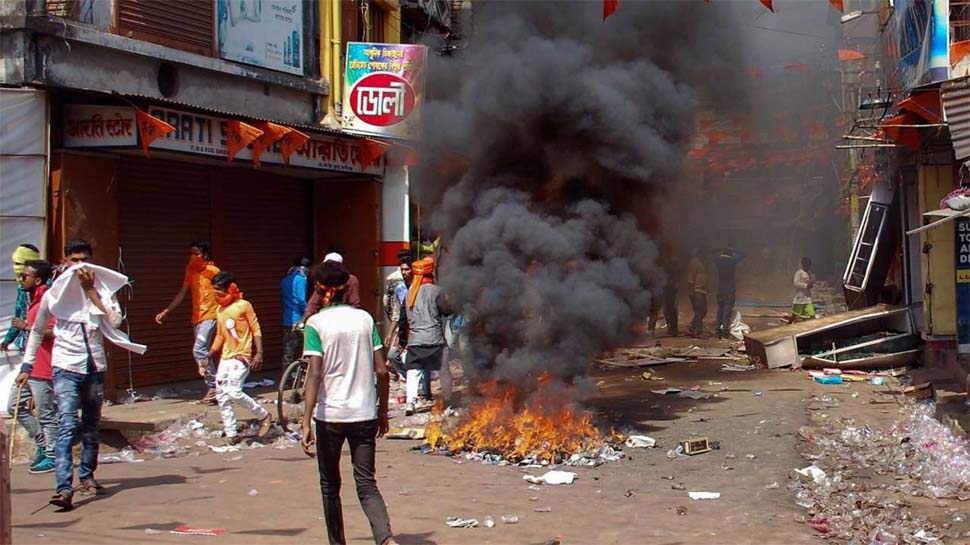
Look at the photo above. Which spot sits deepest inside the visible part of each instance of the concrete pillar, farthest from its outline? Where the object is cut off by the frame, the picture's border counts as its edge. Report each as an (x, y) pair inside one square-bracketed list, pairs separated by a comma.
[(396, 220)]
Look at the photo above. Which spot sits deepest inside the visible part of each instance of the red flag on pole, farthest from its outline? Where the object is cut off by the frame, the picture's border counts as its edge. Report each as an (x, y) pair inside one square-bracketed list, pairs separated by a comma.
[(150, 128), (240, 135), (609, 6), (370, 151), (291, 142), (839, 5), (767, 4), (271, 133)]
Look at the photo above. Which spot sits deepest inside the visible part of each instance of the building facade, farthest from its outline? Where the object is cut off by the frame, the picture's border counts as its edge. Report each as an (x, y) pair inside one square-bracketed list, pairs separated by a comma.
[(73, 73)]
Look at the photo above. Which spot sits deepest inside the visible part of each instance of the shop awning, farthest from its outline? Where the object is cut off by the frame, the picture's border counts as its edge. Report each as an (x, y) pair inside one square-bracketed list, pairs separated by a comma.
[(946, 215), (956, 107), (924, 104), (896, 128)]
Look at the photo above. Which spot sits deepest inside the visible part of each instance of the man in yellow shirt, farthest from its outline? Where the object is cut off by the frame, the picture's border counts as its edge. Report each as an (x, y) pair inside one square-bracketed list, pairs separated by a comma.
[(237, 331), (198, 280)]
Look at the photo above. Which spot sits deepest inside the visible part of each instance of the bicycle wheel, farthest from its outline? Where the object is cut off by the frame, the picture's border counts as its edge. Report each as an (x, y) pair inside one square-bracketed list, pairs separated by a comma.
[(290, 393)]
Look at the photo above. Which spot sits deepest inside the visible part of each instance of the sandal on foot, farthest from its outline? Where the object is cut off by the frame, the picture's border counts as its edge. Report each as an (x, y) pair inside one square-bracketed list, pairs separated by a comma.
[(91, 487), (63, 500), (264, 426)]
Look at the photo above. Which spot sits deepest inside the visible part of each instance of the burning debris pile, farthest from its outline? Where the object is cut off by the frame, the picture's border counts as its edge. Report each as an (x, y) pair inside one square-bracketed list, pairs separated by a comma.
[(864, 482), (553, 137), (503, 425)]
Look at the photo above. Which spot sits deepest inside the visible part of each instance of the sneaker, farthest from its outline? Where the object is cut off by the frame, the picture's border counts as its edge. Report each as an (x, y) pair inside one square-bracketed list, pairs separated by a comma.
[(264, 426), (44, 466), (409, 410), (39, 456)]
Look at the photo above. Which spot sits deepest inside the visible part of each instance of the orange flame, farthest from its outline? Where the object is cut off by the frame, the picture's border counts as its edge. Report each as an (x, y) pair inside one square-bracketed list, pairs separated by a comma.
[(545, 426)]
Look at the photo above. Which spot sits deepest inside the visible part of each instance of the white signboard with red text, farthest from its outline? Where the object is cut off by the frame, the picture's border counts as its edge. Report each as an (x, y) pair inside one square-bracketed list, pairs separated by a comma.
[(95, 126), (384, 89)]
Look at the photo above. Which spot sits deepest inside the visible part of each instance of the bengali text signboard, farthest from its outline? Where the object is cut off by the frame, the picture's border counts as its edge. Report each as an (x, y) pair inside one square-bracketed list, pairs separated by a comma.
[(384, 90)]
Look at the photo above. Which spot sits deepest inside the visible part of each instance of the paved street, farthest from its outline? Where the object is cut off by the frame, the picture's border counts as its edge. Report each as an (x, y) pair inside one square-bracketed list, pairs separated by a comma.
[(628, 501)]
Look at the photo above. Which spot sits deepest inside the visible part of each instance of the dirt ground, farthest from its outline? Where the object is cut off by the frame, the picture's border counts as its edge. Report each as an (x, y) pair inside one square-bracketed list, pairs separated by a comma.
[(755, 416)]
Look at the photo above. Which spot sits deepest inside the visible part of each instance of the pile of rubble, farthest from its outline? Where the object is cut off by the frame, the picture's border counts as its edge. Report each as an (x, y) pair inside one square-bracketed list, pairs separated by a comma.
[(863, 483), (193, 438)]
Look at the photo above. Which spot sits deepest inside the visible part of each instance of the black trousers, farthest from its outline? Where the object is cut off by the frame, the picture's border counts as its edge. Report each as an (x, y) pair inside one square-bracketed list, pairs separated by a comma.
[(698, 302), (362, 437), (667, 302)]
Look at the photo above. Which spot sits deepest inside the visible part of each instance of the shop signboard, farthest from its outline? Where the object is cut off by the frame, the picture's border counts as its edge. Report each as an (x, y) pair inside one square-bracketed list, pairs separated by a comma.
[(384, 89), (99, 126), (261, 33), (962, 262), (201, 134)]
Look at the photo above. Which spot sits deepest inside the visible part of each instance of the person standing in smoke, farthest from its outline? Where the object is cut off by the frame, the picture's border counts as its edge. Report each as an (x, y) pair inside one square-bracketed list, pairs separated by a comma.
[(671, 266), (697, 291), (726, 262), (426, 340)]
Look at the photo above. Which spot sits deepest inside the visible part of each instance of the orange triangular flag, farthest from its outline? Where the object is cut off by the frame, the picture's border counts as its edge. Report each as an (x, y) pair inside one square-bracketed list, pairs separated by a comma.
[(150, 128), (240, 135), (850, 55), (767, 4), (370, 151), (402, 155), (609, 6), (839, 5), (271, 133), (291, 142)]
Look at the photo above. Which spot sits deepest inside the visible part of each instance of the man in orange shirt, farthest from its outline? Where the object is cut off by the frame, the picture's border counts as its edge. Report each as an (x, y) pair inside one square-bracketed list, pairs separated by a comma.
[(198, 279), (237, 331)]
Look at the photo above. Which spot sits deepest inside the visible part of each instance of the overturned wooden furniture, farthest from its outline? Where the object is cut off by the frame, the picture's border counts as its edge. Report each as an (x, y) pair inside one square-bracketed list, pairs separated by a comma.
[(877, 337)]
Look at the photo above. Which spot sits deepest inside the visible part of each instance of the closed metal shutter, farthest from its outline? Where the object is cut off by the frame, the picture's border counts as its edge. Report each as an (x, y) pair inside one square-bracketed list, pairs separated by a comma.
[(182, 24), (265, 225), (163, 206)]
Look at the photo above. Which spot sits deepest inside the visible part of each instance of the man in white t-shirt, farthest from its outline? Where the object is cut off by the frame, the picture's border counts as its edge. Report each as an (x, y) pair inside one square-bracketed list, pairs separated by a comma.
[(346, 399)]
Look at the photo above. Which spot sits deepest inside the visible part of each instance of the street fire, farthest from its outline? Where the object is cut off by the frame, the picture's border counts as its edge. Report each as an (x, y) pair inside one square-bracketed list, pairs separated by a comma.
[(544, 426)]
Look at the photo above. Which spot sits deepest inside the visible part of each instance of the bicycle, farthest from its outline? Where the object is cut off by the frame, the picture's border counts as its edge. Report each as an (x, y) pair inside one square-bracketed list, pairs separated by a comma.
[(290, 393), (291, 389)]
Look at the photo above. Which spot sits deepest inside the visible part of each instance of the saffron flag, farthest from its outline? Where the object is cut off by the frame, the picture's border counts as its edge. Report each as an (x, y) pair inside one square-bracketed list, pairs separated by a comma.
[(291, 142), (370, 151), (271, 133), (150, 128), (239, 136), (767, 4), (839, 5), (850, 55), (609, 6)]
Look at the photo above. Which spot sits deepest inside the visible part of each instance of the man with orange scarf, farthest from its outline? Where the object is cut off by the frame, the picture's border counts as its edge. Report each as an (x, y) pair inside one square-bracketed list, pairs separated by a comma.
[(426, 339), (237, 331), (198, 279)]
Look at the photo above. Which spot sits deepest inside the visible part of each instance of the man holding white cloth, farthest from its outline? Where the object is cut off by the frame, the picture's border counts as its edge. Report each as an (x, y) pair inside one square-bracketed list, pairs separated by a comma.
[(83, 301)]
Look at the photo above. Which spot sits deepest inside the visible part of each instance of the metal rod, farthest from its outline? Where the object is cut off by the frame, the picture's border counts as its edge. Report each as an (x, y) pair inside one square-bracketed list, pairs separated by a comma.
[(866, 138), (859, 146), (925, 126)]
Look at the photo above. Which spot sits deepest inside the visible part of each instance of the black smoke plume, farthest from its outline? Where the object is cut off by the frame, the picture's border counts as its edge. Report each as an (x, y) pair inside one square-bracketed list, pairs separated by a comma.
[(544, 137)]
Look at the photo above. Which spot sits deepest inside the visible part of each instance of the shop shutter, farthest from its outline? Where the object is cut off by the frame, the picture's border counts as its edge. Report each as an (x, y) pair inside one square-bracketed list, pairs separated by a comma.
[(163, 206), (265, 225), (182, 24)]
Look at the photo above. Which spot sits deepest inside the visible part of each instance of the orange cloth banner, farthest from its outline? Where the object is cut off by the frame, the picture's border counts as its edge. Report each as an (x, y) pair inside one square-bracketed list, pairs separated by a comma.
[(850, 55), (271, 133), (239, 136), (609, 6), (150, 128), (291, 142), (370, 151)]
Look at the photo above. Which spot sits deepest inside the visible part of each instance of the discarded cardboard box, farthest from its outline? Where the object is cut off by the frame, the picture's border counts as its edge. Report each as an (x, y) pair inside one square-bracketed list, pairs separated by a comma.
[(918, 392), (695, 445)]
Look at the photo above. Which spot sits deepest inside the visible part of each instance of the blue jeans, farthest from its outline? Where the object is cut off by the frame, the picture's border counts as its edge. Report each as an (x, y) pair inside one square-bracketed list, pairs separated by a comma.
[(204, 332), (77, 391), (43, 427), (396, 356)]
